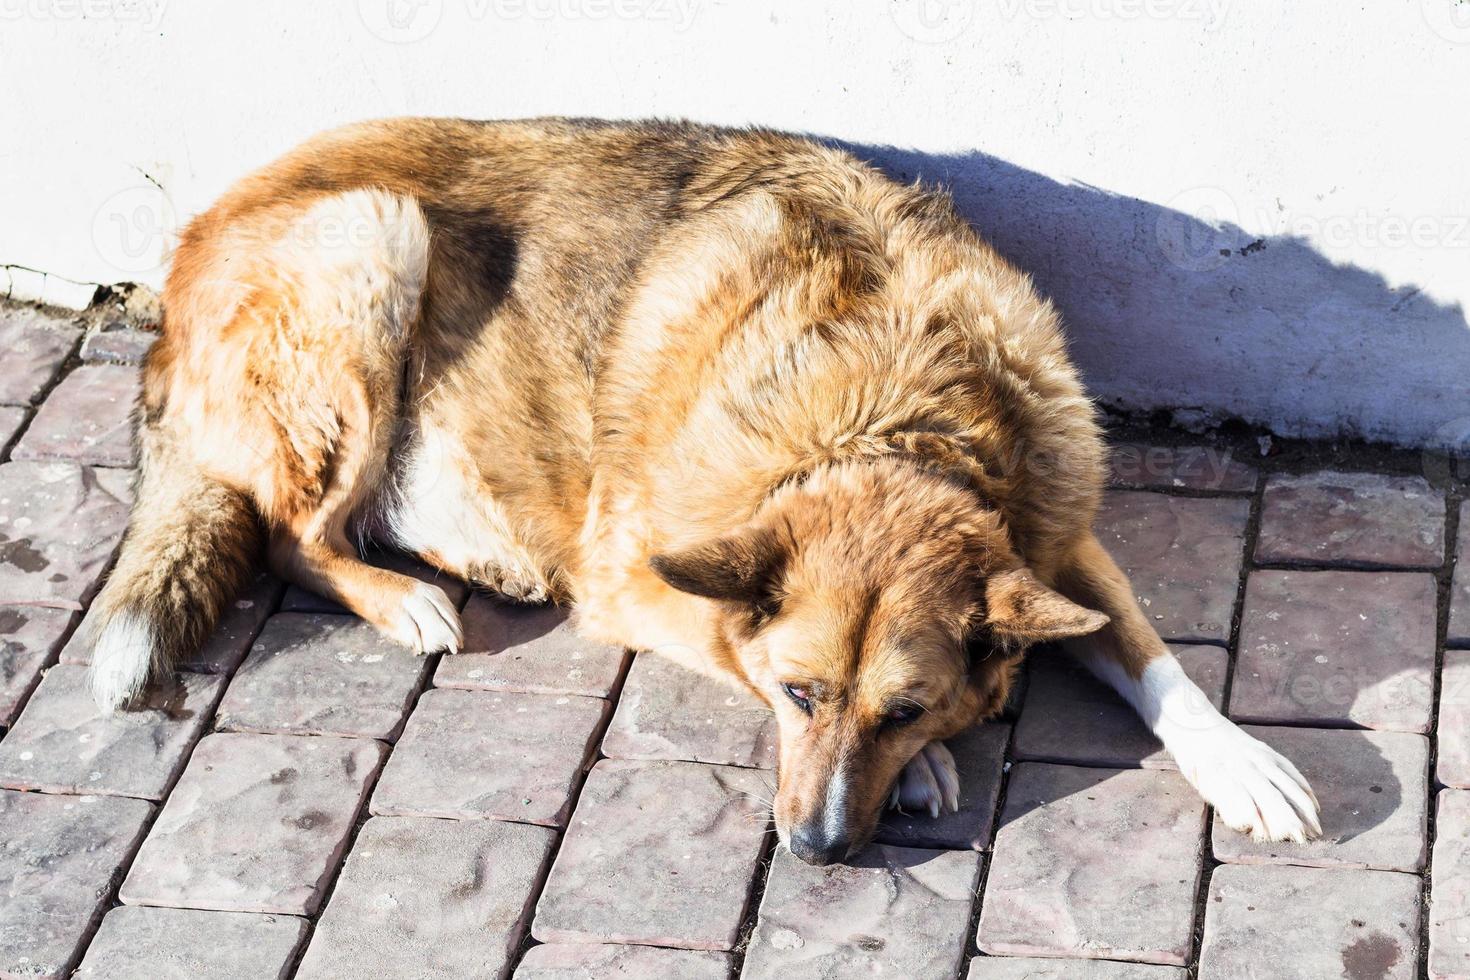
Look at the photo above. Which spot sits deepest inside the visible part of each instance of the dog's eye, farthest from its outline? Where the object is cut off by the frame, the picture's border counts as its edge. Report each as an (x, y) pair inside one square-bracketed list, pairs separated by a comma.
[(902, 715), (799, 696)]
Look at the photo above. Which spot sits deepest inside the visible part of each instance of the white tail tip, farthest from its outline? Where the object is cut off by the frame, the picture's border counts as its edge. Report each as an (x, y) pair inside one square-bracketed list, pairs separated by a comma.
[(122, 659)]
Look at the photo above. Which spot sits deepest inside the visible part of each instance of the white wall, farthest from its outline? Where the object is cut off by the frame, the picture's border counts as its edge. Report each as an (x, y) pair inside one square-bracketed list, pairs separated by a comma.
[(1111, 146)]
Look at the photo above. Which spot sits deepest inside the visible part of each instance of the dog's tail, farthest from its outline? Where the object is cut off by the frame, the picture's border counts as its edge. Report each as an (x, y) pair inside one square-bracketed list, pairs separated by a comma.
[(189, 549)]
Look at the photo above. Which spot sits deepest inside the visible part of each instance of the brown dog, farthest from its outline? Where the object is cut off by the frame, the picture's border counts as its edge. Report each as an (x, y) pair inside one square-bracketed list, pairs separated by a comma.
[(740, 398)]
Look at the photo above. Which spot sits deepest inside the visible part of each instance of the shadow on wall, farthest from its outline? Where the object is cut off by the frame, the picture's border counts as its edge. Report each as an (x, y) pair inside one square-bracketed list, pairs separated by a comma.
[(1169, 310)]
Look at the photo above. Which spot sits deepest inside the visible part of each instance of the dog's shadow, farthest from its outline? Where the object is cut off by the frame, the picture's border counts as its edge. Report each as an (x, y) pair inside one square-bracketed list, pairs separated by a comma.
[(1162, 303), (1357, 785)]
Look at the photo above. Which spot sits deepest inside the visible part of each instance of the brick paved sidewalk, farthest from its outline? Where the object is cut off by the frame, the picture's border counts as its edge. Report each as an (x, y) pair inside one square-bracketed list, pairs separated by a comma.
[(310, 801)]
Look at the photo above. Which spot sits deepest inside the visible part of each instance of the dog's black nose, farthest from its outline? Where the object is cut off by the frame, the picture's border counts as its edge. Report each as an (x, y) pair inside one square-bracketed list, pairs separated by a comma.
[(810, 842)]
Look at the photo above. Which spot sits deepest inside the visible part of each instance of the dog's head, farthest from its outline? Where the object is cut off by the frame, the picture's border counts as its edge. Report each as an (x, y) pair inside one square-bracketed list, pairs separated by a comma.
[(876, 608)]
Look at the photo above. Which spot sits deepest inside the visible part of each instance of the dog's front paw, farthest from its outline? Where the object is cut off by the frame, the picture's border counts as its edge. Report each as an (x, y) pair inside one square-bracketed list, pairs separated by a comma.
[(1254, 788), (929, 782), (427, 621)]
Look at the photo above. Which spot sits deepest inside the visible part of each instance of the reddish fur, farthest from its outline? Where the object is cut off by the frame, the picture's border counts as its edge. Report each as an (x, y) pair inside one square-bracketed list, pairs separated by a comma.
[(634, 340)]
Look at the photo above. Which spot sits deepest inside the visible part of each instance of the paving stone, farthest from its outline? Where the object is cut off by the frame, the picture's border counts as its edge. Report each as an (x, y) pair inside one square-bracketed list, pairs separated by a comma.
[(60, 525), (1352, 519), (29, 638), (1071, 716), (88, 418), (604, 961), (531, 649), (59, 860), (118, 345), (257, 823), (315, 674), (239, 625), (1459, 628), (1449, 906), (476, 754), (1031, 968), (1094, 863), (658, 853), (979, 755), (891, 911), (140, 943), (1310, 924), (1374, 792), (1335, 648), (1181, 467), (301, 600), (12, 418), (429, 898), (1183, 556), (1453, 764), (64, 744), (668, 712), (35, 346)]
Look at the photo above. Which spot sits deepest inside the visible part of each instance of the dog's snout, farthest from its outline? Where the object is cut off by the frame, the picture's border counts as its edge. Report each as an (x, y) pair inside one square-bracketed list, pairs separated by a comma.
[(811, 842)]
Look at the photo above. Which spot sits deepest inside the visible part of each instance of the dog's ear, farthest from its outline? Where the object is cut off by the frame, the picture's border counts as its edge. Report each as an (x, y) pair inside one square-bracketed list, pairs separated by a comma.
[(1020, 607), (744, 566)]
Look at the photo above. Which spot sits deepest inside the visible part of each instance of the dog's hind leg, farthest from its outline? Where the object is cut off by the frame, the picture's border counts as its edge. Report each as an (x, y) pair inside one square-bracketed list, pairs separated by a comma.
[(1253, 787), (341, 319)]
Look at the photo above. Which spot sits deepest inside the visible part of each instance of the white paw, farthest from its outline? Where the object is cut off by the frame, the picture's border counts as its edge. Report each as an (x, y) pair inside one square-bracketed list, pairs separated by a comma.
[(929, 782), (428, 621), (1253, 788), (122, 659)]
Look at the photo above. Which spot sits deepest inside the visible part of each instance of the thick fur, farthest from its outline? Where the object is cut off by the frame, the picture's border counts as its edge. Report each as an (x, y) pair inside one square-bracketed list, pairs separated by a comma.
[(740, 398)]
